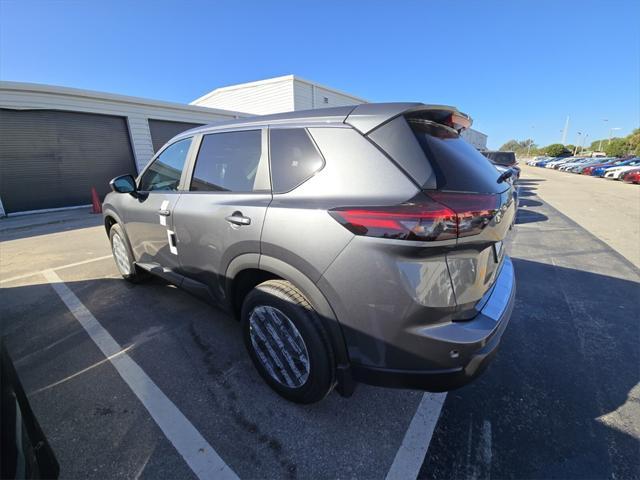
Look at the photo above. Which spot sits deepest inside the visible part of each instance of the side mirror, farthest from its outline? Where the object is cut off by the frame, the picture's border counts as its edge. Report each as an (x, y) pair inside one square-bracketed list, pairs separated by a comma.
[(123, 184)]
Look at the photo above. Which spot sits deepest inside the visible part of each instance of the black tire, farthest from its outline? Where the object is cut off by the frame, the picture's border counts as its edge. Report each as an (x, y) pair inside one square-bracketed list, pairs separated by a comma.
[(287, 299), (134, 273)]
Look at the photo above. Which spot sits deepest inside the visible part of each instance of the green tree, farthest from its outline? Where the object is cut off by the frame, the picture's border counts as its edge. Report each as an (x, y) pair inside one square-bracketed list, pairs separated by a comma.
[(634, 142), (595, 145), (618, 147), (556, 150), (520, 147)]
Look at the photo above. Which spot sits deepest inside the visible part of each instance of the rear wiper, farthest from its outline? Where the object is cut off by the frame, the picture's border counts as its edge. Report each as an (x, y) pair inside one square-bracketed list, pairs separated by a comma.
[(504, 175)]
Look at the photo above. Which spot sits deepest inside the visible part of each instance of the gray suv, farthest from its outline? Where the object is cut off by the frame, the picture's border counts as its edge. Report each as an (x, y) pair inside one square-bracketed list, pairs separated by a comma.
[(354, 244)]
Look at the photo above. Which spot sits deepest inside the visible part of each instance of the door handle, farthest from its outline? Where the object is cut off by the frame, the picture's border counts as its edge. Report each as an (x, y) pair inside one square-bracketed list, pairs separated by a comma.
[(164, 213), (238, 219)]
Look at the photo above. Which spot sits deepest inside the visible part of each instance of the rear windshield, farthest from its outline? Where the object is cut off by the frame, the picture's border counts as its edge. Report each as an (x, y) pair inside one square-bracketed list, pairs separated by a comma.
[(501, 158), (457, 165)]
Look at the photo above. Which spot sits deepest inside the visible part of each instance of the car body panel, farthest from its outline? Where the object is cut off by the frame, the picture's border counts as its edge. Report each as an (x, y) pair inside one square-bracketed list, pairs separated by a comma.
[(386, 303)]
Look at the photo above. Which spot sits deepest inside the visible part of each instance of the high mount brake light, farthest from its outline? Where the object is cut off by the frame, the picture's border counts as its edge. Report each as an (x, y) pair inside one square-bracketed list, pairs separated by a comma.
[(433, 217)]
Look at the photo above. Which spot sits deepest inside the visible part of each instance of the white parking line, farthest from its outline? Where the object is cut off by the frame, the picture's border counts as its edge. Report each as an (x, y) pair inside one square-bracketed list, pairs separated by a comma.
[(41, 272), (196, 451), (416, 440)]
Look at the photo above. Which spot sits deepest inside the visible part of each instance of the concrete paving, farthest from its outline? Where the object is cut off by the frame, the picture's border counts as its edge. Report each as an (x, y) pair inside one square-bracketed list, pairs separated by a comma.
[(559, 401)]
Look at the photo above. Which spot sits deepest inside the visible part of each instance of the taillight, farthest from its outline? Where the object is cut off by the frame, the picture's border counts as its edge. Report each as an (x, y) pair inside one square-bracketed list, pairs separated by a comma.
[(473, 210), (436, 216)]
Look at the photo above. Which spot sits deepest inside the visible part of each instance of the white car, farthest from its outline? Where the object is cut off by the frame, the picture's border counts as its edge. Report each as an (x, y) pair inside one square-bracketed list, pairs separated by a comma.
[(617, 172), (560, 161)]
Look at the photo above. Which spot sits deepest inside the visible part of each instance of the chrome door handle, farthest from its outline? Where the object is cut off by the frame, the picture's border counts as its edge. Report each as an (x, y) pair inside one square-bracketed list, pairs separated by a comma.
[(238, 219), (164, 213)]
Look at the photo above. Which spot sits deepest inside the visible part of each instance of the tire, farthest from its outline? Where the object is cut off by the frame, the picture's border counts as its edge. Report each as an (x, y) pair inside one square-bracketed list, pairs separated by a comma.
[(278, 307), (123, 257)]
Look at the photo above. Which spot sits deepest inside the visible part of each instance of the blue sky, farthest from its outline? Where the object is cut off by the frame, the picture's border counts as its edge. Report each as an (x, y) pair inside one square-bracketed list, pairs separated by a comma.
[(518, 67)]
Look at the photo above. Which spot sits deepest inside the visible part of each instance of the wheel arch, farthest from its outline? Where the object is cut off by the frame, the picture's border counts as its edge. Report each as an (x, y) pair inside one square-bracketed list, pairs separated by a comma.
[(265, 268)]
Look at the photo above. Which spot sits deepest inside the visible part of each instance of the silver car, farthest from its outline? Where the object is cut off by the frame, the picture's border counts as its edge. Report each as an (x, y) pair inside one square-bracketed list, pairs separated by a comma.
[(354, 244)]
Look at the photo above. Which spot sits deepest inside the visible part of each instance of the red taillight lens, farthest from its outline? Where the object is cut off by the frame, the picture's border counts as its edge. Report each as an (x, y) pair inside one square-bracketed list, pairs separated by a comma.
[(474, 211), (438, 216), (422, 220)]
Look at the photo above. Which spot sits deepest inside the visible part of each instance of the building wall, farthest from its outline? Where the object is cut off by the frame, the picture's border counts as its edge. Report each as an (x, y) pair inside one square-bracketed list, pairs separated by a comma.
[(256, 98), (136, 110), (308, 95)]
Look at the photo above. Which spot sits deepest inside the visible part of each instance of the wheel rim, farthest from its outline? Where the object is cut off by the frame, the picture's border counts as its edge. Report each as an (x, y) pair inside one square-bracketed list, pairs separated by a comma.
[(279, 346), (120, 255)]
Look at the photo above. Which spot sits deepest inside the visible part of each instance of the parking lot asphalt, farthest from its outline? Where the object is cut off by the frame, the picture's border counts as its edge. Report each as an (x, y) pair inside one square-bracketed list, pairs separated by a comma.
[(610, 209), (561, 399)]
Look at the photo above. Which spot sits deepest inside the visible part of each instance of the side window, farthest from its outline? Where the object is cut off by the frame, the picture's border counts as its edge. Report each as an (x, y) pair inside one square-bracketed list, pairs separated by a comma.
[(227, 162), (164, 173), (294, 158)]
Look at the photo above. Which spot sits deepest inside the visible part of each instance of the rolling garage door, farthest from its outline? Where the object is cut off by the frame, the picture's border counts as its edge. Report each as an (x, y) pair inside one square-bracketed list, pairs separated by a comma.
[(162, 131), (51, 159)]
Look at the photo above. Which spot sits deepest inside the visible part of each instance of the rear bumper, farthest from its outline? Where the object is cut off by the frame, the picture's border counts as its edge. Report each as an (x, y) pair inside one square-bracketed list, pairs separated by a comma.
[(484, 333)]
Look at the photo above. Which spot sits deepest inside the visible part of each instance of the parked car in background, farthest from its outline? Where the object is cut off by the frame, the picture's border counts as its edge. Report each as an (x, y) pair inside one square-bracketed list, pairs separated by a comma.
[(581, 167), (535, 160), (632, 176), (26, 453), (503, 159), (616, 172), (353, 243), (589, 170), (544, 161), (601, 171), (574, 163), (559, 161)]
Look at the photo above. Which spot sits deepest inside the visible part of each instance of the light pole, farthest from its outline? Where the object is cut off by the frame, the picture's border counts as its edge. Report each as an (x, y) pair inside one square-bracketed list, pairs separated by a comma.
[(600, 144), (584, 140), (611, 131), (575, 149), (530, 142)]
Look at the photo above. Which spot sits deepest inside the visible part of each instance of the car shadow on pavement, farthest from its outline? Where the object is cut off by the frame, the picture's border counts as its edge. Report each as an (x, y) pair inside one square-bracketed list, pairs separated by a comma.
[(561, 398), (529, 216), (547, 407), (196, 355), (526, 202)]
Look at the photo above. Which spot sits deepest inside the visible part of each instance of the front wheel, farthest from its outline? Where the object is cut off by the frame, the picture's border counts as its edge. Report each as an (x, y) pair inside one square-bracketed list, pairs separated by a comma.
[(287, 342), (123, 256)]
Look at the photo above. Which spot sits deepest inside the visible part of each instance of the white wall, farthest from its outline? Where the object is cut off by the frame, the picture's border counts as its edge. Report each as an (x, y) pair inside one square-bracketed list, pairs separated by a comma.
[(257, 98), (136, 110), (308, 95)]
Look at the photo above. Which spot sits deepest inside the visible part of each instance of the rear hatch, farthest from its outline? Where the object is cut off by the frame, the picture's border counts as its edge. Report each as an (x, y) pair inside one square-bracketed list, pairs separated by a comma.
[(478, 205)]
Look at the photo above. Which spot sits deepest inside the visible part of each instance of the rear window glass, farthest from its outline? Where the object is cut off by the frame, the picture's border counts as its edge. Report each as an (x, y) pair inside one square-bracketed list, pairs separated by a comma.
[(227, 162), (294, 158), (458, 166)]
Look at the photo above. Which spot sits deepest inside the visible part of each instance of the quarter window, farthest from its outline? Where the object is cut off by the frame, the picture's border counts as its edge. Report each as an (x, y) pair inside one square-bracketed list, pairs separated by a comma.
[(294, 158), (228, 162), (165, 171)]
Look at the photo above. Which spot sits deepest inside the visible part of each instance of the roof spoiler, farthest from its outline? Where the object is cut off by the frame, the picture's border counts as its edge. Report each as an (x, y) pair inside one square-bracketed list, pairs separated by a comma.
[(369, 116)]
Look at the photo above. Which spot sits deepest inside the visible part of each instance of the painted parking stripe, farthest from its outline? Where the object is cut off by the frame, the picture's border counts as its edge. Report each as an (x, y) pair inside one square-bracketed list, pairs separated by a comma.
[(196, 451), (415, 443), (41, 272)]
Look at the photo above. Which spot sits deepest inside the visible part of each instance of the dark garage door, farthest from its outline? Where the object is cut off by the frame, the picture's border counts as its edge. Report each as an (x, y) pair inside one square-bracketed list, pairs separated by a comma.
[(162, 131), (51, 159)]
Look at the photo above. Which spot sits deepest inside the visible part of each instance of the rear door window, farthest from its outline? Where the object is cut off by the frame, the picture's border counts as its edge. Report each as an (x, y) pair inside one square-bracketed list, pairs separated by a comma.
[(294, 158), (227, 162), (458, 166)]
